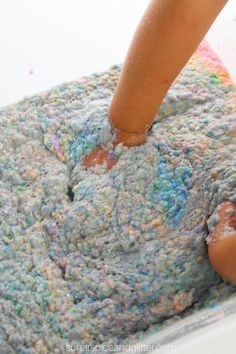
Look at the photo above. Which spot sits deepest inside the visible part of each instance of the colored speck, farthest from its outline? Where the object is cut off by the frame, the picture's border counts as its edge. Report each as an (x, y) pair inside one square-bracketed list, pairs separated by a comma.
[(214, 79), (141, 307)]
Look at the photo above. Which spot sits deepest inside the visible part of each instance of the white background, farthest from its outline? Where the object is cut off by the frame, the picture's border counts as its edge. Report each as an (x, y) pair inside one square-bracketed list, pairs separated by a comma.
[(46, 42)]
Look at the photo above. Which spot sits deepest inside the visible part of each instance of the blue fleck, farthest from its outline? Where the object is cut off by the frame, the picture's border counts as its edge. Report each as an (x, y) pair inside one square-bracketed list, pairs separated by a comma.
[(141, 307)]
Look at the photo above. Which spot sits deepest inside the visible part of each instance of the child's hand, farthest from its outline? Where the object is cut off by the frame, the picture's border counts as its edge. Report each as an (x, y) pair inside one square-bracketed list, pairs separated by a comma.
[(102, 155), (222, 247)]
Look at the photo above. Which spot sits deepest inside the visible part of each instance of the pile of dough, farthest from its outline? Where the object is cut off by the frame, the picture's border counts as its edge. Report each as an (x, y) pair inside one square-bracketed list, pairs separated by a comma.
[(93, 256)]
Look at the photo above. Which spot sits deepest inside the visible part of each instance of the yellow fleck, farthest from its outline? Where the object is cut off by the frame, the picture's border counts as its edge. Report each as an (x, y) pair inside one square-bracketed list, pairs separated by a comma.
[(156, 222), (32, 174)]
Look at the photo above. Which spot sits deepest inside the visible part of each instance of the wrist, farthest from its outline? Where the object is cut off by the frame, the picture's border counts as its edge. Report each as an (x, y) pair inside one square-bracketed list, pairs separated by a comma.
[(129, 138)]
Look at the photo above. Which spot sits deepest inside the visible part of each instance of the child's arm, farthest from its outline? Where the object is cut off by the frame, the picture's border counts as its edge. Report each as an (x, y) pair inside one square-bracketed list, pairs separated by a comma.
[(166, 37)]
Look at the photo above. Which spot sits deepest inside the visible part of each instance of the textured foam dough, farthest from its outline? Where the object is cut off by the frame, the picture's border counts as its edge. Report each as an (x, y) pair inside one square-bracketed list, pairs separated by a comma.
[(90, 256)]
